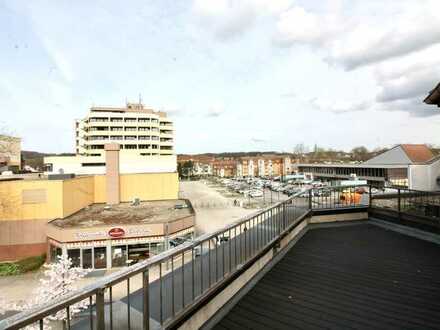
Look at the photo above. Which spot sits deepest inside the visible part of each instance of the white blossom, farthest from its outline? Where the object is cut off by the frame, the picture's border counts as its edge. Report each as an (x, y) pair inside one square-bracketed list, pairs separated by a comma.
[(59, 279)]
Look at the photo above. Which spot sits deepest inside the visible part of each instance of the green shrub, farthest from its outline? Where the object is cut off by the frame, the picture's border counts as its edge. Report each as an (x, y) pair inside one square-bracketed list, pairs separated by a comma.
[(31, 263), (22, 266), (8, 268)]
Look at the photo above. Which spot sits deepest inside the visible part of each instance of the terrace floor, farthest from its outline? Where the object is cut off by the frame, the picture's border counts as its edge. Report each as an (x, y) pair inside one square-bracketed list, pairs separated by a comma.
[(356, 276)]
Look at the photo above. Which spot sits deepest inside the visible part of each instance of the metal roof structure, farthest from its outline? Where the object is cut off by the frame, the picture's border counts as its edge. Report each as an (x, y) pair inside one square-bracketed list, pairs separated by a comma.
[(434, 96)]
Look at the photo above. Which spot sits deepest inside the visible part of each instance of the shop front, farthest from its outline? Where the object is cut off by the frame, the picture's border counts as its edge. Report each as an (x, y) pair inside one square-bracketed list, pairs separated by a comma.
[(115, 246)]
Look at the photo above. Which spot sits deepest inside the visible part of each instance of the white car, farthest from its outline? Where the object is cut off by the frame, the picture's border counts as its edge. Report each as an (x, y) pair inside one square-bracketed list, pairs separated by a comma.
[(256, 193)]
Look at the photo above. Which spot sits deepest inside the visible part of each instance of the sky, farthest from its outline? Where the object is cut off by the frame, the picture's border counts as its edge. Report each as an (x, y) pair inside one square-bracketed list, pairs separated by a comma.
[(234, 75)]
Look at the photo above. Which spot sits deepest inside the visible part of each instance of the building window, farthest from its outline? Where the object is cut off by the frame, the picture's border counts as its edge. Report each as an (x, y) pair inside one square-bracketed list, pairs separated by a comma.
[(144, 128), (116, 128), (144, 146), (100, 257), (131, 129), (75, 256), (116, 120), (130, 120), (87, 258), (144, 120), (115, 137), (144, 137), (130, 137), (54, 253), (138, 252), (119, 256), (130, 146), (97, 146)]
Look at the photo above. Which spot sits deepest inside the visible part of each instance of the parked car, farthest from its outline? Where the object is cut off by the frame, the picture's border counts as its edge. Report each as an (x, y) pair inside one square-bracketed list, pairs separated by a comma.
[(256, 193)]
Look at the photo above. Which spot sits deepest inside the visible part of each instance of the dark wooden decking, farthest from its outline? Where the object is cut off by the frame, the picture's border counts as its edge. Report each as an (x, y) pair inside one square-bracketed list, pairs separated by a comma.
[(359, 276)]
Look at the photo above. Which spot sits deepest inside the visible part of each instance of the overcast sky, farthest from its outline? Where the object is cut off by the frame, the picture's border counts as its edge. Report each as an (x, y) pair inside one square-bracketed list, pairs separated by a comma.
[(234, 75)]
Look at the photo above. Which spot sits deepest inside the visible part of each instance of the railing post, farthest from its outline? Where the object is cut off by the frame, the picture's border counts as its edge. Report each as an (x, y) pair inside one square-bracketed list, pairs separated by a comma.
[(100, 312), (310, 199), (369, 195), (146, 302), (398, 203)]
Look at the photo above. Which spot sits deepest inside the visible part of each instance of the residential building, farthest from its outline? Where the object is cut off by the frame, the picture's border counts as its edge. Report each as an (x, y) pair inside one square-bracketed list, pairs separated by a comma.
[(264, 166), (10, 153), (224, 167), (413, 166), (137, 129)]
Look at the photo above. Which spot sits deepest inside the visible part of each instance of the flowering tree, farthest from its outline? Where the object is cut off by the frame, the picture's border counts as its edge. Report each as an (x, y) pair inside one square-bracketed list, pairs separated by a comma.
[(59, 279)]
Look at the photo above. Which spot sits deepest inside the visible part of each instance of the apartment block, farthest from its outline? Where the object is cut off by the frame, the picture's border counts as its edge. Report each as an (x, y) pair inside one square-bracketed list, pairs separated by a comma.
[(137, 129)]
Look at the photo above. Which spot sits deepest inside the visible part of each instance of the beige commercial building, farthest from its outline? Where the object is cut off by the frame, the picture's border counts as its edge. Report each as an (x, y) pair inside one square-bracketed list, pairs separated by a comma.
[(10, 153), (100, 221)]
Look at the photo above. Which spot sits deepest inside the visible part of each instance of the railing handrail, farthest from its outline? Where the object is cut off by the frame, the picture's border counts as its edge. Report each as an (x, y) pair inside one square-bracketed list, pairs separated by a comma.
[(49, 308)]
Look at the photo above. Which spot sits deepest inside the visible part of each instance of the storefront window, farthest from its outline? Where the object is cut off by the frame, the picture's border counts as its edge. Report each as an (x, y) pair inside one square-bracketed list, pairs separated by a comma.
[(156, 248), (119, 256), (75, 255), (100, 257), (87, 258), (138, 252), (54, 252)]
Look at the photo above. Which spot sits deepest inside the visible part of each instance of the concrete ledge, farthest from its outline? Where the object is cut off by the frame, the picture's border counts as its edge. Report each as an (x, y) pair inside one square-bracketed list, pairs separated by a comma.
[(338, 217), (409, 231)]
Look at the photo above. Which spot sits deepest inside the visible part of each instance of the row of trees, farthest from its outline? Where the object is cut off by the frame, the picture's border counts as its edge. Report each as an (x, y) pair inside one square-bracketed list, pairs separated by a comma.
[(361, 153)]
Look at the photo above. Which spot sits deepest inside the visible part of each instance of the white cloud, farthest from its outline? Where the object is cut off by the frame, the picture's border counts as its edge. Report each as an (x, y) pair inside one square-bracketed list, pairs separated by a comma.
[(399, 46), (229, 18)]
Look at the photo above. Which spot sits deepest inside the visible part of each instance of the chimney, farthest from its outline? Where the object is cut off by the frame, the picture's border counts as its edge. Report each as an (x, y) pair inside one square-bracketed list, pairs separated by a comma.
[(112, 173)]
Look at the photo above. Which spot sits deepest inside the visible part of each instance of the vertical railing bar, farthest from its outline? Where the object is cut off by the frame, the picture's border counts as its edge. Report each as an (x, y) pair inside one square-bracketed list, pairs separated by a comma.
[(223, 253), (68, 317), (128, 304), (230, 251), (183, 279), (100, 316), (192, 275), (235, 247), (146, 302), (111, 306), (160, 295), (201, 268), (172, 287), (41, 323), (209, 262), (216, 259), (91, 312)]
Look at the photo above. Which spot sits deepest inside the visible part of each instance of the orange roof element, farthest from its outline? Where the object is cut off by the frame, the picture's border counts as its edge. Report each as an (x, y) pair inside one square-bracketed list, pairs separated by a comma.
[(418, 153)]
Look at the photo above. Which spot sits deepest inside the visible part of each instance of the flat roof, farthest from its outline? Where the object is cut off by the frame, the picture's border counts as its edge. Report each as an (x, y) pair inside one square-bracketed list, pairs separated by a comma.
[(356, 165), (126, 214), (355, 276)]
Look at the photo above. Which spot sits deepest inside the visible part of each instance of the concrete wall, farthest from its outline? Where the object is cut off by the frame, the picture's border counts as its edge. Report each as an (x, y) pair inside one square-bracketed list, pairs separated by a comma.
[(128, 162), (424, 177), (51, 199)]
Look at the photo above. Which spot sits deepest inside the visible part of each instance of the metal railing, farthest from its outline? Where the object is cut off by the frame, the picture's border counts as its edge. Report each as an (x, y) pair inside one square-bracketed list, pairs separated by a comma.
[(422, 204), (158, 291)]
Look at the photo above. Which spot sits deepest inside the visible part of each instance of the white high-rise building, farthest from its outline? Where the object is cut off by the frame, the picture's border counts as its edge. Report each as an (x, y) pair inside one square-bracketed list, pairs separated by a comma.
[(136, 129)]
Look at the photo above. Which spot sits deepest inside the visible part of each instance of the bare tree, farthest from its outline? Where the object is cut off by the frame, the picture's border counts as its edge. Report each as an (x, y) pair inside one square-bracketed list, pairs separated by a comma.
[(9, 147)]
